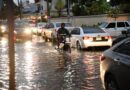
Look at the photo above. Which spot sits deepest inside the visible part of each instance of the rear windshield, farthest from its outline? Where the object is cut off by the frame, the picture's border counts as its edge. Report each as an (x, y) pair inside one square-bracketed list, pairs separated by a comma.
[(66, 25), (92, 30)]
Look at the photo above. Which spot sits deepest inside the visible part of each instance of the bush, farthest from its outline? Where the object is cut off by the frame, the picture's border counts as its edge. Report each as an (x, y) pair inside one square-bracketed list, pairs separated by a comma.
[(79, 10)]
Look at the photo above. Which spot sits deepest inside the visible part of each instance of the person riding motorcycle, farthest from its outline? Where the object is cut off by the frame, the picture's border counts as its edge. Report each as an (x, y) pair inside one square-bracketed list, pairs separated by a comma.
[(62, 30)]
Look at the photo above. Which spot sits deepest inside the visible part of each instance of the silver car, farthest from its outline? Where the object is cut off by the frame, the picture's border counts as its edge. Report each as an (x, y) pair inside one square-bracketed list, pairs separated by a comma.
[(115, 66), (114, 28), (51, 29)]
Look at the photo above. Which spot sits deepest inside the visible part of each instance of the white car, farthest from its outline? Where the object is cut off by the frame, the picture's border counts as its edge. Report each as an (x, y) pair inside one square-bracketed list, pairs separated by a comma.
[(84, 37), (51, 29), (39, 27), (114, 28)]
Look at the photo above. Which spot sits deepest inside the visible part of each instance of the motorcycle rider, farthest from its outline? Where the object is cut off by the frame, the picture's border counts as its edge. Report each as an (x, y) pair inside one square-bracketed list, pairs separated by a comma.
[(62, 30)]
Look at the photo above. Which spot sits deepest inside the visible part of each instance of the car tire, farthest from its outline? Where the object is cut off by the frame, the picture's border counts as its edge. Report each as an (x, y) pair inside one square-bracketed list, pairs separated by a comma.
[(45, 38), (110, 83), (78, 46)]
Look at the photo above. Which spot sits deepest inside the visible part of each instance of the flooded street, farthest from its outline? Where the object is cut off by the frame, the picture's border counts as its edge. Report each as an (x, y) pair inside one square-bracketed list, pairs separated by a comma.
[(40, 67)]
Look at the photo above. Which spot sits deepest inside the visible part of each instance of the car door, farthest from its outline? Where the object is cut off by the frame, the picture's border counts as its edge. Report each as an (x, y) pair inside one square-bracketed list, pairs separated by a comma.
[(75, 34), (120, 27), (122, 65), (111, 29)]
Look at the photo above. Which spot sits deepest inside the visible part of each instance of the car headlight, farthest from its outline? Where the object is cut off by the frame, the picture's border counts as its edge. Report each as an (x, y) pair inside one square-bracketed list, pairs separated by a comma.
[(3, 29), (27, 31)]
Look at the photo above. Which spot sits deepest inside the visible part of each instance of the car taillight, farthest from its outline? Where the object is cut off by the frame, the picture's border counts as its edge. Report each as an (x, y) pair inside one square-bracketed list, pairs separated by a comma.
[(108, 37), (102, 57), (87, 38)]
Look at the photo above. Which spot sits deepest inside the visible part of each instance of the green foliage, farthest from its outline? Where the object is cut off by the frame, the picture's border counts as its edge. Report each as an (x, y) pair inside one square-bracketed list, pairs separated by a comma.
[(114, 12), (48, 1), (79, 10), (100, 7), (60, 5), (90, 7), (125, 7), (3, 11)]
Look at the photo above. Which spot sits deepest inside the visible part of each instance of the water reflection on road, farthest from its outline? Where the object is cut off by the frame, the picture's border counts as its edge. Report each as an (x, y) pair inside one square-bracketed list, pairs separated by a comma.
[(40, 67)]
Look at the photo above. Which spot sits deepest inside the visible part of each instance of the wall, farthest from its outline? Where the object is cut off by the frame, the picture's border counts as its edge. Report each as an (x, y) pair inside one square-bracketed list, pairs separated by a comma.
[(91, 20)]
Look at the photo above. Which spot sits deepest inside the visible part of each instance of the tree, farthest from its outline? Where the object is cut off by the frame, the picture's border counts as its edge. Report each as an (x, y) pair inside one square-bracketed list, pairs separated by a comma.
[(82, 8), (123, 4), (60, 5), (114, 12), (3, 11), (48, 1), (118, 2)]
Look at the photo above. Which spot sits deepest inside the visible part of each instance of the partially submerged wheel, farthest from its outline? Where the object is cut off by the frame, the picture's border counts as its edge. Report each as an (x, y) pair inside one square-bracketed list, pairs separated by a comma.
[(110, 83), (67, 48), (78, 46)]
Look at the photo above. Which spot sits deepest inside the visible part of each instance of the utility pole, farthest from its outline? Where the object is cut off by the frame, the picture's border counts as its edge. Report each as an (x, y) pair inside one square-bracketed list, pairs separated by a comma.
[(68, 10), (48, 11), (20, 8), (10, 17)]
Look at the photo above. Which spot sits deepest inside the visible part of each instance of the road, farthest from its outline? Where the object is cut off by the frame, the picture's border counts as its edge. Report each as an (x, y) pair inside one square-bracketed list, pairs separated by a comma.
[(40, 67)]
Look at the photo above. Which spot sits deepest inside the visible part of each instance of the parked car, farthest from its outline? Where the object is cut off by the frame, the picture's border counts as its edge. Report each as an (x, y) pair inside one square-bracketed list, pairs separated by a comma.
[(84, 37), (22, 31), (115, 66), (121, 37), (39, 28), (50, 31), (114, 28)]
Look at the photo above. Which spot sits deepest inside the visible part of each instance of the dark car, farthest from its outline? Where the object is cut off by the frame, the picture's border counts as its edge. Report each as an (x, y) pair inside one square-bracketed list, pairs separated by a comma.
[(121, 37), (115, 66)]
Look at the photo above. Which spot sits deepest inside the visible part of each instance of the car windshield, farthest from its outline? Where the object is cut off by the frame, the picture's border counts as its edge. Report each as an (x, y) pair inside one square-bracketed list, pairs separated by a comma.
[(103, 24), (21, 25), (66, 25), (92, 30)]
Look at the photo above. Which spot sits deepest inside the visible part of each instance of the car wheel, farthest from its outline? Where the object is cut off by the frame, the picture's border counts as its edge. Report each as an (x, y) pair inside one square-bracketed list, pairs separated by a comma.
[(78, 46), (110, 83), (52, 38), (45, 38)]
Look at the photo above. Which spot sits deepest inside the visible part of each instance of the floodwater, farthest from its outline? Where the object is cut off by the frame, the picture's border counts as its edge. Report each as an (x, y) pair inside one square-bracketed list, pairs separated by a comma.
[(40, 67)]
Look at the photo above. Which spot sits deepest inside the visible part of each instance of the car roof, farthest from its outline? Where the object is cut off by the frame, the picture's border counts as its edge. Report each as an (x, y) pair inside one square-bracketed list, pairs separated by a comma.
[(113, 21)]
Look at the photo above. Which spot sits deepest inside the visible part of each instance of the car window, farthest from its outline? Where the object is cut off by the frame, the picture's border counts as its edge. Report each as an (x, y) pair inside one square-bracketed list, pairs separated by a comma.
[(103, 24), (127, 25), (41, 24), (51, 25), (123, 48), (75, 31), (111, 25), (120, 24), (92, 30)]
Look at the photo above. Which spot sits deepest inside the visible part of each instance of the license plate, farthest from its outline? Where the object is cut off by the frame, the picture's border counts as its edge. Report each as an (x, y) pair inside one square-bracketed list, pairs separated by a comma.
[(98, 38)]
